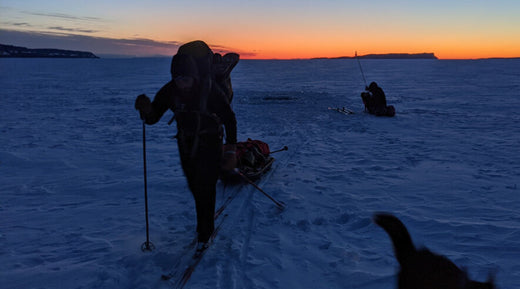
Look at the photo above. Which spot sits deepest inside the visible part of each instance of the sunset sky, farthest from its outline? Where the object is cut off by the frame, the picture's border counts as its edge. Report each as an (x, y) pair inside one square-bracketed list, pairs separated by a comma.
[(282, 29)]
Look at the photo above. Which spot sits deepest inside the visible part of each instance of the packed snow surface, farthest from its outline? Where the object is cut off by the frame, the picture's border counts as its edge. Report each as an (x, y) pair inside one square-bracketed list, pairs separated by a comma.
[(448, 165)]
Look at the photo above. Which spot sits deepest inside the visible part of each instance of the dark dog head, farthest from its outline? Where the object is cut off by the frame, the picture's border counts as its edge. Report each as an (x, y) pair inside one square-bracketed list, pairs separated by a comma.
[(421, 268)]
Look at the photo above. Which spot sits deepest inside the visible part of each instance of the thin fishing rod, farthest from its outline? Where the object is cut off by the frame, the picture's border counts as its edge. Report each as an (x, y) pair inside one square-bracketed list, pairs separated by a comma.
[(146, 246), (360, 68)]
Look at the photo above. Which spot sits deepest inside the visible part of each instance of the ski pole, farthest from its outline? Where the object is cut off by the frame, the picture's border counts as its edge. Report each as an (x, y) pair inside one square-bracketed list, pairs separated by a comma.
[(146, 246), (280, 205), (280, 150), (360, 68)]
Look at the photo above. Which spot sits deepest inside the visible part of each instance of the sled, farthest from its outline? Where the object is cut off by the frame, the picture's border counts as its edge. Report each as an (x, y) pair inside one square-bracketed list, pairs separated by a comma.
[(253, 161), (256, 173)]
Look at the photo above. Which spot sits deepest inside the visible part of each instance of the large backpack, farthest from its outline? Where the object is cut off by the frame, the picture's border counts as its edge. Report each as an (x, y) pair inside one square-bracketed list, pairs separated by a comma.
[(193, 119), (194, 59)]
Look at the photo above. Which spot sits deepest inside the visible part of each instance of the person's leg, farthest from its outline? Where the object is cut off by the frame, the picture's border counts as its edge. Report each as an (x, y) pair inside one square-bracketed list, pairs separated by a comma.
[(202, 172), (204, 196)]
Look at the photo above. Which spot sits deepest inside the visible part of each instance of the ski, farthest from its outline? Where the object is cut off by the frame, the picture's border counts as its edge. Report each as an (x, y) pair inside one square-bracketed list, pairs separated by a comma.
[(185, 266), (181, 259), (218, 213), (224, 205), (197, 257), (342, 110)]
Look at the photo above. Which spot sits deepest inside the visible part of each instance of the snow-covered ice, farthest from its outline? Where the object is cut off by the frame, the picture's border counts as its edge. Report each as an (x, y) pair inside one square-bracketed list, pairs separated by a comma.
[(448, 164)]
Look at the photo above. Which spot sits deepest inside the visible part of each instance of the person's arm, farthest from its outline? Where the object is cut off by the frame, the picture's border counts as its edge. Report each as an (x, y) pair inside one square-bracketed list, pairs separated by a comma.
[(226, 115), (230, 124), (151, 112), (230, 59)]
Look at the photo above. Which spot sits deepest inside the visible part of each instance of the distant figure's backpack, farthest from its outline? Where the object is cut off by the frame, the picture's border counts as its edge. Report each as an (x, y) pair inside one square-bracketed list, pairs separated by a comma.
[(375, 109)]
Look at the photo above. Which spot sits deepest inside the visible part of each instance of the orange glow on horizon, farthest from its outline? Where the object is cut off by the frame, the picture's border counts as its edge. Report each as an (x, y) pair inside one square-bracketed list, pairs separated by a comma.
[(310, 48), (281, 30), (440, 53)]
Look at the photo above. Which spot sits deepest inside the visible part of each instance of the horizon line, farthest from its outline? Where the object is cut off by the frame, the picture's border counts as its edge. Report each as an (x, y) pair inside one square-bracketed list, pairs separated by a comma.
[(104, 55)]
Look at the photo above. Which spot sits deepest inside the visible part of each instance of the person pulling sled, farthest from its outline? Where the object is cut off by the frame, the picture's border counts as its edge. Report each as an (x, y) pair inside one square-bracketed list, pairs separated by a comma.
[(199, 94)]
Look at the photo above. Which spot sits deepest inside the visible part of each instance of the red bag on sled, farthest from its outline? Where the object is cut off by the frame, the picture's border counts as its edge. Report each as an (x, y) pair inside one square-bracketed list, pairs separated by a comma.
[(253, 159)]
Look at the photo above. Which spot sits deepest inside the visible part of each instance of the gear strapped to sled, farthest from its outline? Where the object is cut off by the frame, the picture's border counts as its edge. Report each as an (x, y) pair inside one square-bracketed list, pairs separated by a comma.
[(253, 160), (252, 153)]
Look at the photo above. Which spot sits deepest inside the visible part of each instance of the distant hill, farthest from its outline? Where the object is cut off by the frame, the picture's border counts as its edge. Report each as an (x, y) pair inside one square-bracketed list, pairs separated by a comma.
[(388, 56), (17, 51)]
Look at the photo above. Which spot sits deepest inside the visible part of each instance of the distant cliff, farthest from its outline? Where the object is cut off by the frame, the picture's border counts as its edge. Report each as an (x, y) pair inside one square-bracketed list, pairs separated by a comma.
[(17, 51), (389, 56)]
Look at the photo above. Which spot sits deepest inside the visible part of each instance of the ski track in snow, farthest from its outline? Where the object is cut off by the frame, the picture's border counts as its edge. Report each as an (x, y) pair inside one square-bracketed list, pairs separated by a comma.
[(72, 206)]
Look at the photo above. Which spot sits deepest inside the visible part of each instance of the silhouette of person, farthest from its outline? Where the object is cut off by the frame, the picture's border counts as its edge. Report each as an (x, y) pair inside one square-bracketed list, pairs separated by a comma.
[(201, 110), (374, 99)]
